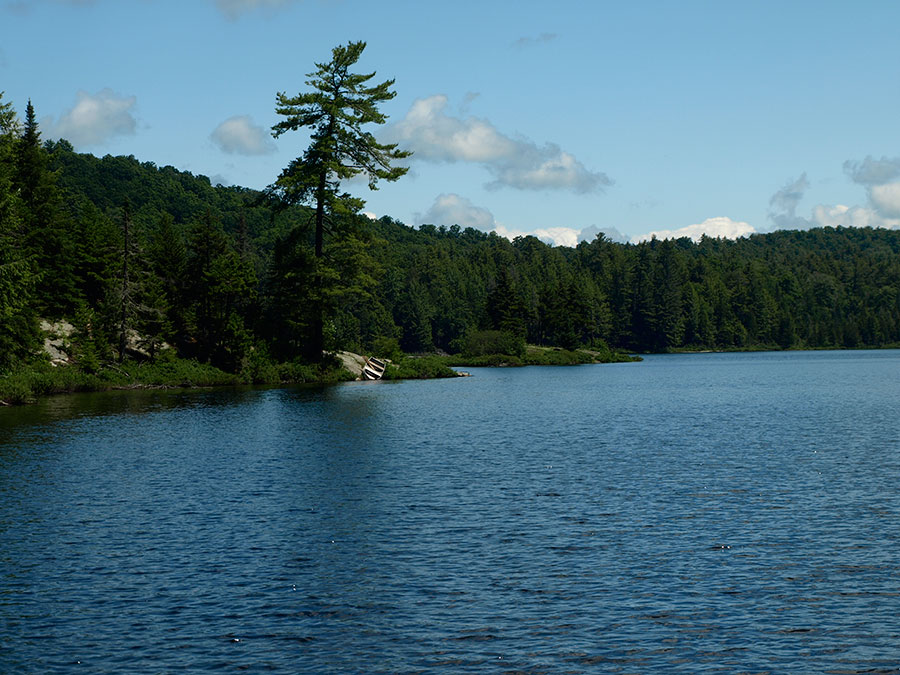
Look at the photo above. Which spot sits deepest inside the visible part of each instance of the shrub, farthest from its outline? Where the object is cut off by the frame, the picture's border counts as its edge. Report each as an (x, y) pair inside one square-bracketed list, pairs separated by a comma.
[(387, 348), (484, 342)]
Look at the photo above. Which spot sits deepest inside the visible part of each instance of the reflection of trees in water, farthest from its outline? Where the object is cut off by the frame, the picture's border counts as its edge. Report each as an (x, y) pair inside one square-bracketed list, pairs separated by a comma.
[(22, 421)]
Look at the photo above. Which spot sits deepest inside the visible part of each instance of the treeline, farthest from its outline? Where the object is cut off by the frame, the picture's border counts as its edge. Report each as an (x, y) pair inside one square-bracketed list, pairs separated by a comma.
[(788, 289), (228, 276)]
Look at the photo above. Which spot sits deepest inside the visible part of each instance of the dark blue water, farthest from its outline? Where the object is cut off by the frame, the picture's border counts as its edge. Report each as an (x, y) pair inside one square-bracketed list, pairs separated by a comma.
[(696, 513)]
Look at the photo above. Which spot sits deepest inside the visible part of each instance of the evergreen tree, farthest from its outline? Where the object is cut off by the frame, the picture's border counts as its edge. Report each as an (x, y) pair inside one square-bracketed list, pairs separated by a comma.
[(18, 323), (46, 233), (336, 110)]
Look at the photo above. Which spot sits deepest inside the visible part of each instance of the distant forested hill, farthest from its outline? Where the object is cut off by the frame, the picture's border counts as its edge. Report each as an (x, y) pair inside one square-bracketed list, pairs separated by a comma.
[(116, 244)]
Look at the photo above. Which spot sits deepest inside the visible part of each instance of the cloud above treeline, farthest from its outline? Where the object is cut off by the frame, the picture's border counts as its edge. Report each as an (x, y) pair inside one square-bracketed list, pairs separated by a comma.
[(452, 209), (879, 177), (94, 119), (783, 205), (239, 135), (436, 136), (720, 226)]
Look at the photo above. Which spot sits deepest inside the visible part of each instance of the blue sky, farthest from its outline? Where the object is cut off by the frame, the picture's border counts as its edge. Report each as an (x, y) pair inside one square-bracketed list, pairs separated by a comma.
[(559, 119)]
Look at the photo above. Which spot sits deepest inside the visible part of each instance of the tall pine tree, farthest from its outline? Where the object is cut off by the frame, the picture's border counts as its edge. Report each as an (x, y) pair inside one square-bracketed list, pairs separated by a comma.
[(337, 108)]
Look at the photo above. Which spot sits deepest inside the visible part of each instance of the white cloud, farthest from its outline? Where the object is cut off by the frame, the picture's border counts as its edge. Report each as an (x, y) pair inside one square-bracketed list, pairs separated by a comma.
[(239, 135), (558, 236), (433, 135), (549, 167), (879, 176), (234, 8), (95, 119), (886, 199), (720, 226), (825, 215), (451, 209)]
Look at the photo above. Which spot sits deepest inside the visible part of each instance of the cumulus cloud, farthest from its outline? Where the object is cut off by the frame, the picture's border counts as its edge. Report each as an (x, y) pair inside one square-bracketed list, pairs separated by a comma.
[(886, 199), (826, 215), (234, 8), (720, 226), (877, 176), (238, 135), (451, 209), (436, 136), (555, 236), (95, 119), (881, 179), (558, 236)]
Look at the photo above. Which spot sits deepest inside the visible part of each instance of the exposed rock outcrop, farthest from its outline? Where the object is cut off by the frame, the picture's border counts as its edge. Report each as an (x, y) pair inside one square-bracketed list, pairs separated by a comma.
[(56, 341)]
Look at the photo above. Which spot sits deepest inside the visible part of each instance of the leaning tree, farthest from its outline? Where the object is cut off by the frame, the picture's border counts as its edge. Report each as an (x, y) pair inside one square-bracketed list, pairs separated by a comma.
[(335, 110)]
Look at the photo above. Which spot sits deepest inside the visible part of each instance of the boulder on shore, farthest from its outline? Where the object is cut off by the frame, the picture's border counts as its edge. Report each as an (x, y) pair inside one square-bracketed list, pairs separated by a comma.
[(353, 363)]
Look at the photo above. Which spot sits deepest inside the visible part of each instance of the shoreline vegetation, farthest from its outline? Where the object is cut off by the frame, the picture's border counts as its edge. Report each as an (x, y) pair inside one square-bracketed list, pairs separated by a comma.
[(41, 378)]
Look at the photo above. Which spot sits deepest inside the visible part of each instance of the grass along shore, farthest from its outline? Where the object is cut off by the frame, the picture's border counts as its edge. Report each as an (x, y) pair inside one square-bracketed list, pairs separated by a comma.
[(39, 378)]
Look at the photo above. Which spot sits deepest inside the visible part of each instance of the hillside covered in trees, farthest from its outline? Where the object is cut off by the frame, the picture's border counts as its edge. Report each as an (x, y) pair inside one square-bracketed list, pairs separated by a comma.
[(224, 275)]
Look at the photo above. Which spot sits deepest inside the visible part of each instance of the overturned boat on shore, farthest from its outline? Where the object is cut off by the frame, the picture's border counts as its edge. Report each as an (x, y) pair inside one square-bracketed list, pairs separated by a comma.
[(374, 369)]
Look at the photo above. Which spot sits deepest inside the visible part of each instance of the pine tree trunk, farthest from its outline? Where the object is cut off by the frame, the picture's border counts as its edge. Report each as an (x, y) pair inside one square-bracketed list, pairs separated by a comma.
[(317, 339)]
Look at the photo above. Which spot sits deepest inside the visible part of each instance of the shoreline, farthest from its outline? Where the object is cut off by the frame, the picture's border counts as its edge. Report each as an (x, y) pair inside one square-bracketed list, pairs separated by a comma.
[(41, 380)]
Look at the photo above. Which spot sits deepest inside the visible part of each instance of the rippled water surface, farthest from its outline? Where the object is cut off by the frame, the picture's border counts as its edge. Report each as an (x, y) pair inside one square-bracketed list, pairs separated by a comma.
[(692, 513)]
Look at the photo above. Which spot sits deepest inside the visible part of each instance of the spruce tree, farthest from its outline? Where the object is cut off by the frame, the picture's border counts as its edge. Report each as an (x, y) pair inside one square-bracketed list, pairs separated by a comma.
[(46, 234), (18, 322)]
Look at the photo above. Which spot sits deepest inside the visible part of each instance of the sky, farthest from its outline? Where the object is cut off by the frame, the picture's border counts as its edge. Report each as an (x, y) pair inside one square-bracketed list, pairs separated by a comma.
[(561, 120)]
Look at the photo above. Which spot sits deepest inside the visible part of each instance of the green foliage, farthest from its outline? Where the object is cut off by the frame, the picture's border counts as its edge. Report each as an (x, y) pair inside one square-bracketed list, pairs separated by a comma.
[(419, 368), (483, 342), (335, 111), (387, 348), (18, 270)]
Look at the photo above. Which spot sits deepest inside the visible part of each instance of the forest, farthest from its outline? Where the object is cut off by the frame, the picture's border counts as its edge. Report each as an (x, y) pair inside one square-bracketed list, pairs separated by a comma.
[(229, 276)]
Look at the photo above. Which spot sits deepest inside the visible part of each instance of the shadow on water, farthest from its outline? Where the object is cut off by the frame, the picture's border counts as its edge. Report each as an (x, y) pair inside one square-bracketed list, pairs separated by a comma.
[(49, 410)]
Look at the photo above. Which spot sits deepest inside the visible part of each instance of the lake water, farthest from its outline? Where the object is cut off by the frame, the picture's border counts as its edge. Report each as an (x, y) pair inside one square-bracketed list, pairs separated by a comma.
[(691, 513)]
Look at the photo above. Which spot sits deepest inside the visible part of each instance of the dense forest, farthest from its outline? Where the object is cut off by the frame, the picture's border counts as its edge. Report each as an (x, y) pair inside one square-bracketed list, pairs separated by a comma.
[(225, 275)]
